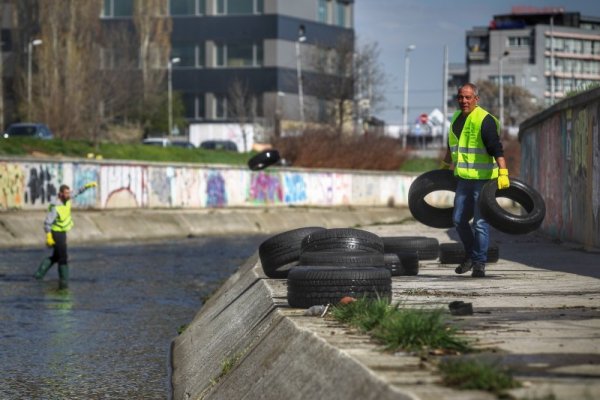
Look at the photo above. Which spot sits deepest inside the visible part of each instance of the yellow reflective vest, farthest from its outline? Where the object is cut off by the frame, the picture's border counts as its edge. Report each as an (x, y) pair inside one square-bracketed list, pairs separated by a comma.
[(469, 155), (63, 221)]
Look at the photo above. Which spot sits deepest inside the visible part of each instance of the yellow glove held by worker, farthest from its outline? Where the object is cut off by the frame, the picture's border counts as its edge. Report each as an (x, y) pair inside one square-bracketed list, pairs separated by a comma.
[(50, 240), (90, 185), (503, 181)]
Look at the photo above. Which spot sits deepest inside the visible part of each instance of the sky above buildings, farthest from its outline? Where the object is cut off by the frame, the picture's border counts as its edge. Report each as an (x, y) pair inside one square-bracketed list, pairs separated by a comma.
[(429, 25)]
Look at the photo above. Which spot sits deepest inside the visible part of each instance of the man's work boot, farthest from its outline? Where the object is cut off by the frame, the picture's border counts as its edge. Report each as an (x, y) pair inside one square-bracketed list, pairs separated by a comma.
[(43, 268), (63, 276), (464, 266), (478, 270)]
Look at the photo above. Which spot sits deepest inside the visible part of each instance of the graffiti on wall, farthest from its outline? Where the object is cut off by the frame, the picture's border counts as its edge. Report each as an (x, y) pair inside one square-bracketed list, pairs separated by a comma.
[(265, 188), (12, 187), (294, 188), (84, 173), (319, 187), (216, 195), (123, 186), (160, 186), (187, 186), (42, 182)]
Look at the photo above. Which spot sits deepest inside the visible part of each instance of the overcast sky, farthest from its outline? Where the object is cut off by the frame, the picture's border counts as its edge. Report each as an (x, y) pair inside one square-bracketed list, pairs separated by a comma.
[(429, 25)]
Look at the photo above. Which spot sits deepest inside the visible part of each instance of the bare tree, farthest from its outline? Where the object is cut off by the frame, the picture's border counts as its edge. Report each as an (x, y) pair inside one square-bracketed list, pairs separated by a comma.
[(241, 107), (520, 104)]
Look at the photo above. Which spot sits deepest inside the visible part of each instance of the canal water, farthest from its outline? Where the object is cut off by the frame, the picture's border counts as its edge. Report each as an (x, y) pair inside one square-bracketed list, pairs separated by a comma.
[(108, 335)]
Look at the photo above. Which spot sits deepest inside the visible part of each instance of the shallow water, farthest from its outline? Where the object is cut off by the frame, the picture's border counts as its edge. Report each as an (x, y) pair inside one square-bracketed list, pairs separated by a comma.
[(108, 335)]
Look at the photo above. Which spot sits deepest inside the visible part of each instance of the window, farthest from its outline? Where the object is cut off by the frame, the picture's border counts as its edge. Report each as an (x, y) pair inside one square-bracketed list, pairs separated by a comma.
[(506, 79), (194, 105), (340, 14), (239, 55), (191, 55), (232, 7), (322, 15), (518, 41), (187, 7), (117, 8), (221, 107)]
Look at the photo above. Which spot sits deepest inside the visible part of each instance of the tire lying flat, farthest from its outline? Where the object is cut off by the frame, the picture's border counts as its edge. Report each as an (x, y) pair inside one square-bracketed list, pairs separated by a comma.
[(343, 239), (310, 285), (341, 259), (454, 253), (277, 252), (504, 221), (427, 248)]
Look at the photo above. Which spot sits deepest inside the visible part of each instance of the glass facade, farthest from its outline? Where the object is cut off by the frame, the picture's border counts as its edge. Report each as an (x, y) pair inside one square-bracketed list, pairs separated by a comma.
[(187, 7), (117, 8), (239, 7), (239, 55), (340, 14), (191, 54), (322, 15)]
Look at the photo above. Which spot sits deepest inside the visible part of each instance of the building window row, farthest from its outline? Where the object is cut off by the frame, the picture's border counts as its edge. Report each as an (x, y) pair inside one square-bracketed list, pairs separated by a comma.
[(124, 8), (219, 107), (568, 84), (575, 46), (573, 66), (239, 54), (518, 41), (336, 12), (506, 79), (190, 55)]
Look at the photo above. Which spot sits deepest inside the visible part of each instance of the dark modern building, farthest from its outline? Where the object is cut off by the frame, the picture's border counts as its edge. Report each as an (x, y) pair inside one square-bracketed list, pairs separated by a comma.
[(262, 44)]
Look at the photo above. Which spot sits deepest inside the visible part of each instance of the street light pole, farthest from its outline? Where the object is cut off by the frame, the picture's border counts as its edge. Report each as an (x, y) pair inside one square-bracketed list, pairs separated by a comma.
[(301, 38), (30, 45), (501, 84), (405, 105), (170, 92)]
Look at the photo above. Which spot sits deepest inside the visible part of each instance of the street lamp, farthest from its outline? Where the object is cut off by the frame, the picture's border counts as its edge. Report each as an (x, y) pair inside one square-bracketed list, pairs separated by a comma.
[(501, 84), (35, 42), (301, 38), (405, 105), (170, 91)]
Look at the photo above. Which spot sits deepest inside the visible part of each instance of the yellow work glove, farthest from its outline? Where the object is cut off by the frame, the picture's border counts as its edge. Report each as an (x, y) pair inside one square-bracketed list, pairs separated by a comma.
[(444, 165), (90, 185), (50, 240), (503, 181)]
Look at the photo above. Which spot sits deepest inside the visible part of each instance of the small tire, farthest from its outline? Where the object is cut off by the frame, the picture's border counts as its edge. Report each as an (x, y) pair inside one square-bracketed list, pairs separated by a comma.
[(280, 250), (504, 221), (343, 239), (263, 159), (454, 253), (310, 285), (341, 259), (427, 248), (429, 182)]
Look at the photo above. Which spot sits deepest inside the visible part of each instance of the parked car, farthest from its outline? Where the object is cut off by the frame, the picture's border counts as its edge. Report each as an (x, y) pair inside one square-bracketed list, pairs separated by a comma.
[(219, 145), (184, 144), (28, 129), (160, 142)]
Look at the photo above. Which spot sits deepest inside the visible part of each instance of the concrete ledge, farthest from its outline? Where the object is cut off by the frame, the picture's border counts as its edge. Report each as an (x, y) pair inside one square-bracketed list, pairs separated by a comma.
[(25, 228)]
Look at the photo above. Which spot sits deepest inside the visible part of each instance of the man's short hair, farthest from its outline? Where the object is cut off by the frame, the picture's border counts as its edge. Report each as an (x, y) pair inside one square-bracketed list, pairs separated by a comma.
[(62, 188), (470, 85)]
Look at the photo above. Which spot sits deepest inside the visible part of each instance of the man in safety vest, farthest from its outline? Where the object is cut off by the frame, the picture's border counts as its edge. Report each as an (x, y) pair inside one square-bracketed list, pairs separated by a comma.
[(475, 151), (56, 225)]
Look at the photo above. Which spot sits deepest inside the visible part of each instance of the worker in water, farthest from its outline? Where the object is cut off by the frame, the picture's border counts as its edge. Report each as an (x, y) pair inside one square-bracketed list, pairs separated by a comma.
[(56, 225)]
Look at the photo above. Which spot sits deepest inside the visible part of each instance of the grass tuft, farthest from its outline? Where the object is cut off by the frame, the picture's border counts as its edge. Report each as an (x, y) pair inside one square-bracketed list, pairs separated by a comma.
[(401, 328), (477, 374)]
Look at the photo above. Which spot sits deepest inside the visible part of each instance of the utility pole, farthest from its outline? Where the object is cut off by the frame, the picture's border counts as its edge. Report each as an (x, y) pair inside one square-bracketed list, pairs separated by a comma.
[(445, 98)]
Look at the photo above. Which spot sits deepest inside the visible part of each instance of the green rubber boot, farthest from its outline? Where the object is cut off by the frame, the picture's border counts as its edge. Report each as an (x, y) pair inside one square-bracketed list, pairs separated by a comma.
[(63, 276), (43, 268)]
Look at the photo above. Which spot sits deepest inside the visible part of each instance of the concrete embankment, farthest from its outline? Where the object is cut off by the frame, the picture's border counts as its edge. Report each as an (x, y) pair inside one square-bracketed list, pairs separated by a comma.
[(542, 323), (25, 228)]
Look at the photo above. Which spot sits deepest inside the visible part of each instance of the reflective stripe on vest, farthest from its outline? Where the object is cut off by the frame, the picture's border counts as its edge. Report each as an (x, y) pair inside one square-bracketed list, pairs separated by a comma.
[(63, 221), (469, 154)]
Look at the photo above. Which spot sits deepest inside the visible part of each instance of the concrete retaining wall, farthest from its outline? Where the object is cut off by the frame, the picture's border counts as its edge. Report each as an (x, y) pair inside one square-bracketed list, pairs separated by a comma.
[(31, 183), (560, 157)]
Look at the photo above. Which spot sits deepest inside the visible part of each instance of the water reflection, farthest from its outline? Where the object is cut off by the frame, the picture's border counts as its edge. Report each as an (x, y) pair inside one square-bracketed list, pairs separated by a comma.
[(108, 335)]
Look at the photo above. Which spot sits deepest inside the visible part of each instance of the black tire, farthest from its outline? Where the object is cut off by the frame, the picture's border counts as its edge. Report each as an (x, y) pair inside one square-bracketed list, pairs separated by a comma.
[(504, 221), (454, 253), (310, 286), (392, 263), (341, 259), (343, 239), (429, 182), (427, 248), (277, 252), (263, 159)]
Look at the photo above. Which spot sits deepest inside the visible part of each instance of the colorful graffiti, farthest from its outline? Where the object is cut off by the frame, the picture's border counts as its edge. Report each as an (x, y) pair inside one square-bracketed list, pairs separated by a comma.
[(295, 188), (84, 173), (265, 188), (12, 188), (43, 181), (123, 186), (216, 195)]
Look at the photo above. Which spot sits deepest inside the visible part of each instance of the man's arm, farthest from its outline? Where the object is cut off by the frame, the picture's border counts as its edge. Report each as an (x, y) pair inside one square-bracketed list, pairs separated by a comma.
[(50, 218), (82, 189)]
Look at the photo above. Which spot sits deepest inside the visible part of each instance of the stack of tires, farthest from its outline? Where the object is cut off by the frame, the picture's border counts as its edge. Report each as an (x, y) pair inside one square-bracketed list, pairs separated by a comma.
[(324, 265)]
